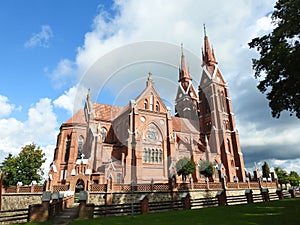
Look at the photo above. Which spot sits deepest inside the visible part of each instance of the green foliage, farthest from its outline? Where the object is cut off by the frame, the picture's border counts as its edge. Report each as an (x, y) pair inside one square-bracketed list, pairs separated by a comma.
[(184, 167), (278, 65), (294, 178), (25, 167), (282, 176), (206, 168), (265, 170)]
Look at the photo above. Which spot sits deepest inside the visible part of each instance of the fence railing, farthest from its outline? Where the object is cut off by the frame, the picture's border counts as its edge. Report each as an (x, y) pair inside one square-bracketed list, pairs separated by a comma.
[(181, 186), (116, 210), (14, 216), (146, 206), (24, 189)]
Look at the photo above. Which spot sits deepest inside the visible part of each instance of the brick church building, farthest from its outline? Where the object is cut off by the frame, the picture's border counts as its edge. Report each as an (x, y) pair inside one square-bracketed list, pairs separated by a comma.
[(141, 142)]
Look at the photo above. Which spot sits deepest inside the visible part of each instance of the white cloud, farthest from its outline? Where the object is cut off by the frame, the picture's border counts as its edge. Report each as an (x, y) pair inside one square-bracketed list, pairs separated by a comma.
[(5, 107), (66, 100), (40, 128), (40, 39), (64, 73)]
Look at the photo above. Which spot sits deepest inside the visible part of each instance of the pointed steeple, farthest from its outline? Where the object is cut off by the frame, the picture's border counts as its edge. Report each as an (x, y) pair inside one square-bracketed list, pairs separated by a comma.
[(208, 55), (184, 72)]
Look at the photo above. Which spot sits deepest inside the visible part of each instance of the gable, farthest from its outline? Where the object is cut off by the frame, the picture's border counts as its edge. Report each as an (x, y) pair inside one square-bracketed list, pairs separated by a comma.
[(150, 100)]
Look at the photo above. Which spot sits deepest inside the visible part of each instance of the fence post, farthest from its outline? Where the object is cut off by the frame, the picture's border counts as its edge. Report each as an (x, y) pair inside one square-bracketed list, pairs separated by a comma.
[(144, 204), (279, 193), (249, 195), (222, 200), (265, 194), (186, 200)]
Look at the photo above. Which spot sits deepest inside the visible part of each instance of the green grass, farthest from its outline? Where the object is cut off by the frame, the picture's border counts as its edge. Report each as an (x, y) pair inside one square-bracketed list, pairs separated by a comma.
[(283, 212)]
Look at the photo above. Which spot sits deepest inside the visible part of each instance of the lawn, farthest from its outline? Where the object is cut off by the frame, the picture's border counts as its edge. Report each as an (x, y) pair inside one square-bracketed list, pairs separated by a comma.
[(283, 212)]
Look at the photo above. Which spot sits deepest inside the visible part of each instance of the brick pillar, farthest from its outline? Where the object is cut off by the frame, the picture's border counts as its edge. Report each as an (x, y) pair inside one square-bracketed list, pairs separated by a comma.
[(249, 196), (279, 193), (144, 204), (186, 200), (292, 191), (222, 200), (265, 194), (38, 212), (86, 211)]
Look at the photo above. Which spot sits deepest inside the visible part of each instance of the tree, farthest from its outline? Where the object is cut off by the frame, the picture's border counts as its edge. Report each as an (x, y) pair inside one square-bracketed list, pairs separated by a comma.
[(184, 167), (25, 167), (294, 178), (206, 168), (265, 170), (278, 65), (282, 176)]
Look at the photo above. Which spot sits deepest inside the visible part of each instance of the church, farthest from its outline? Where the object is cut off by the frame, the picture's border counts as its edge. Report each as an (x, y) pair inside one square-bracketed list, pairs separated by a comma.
[(141, 142)]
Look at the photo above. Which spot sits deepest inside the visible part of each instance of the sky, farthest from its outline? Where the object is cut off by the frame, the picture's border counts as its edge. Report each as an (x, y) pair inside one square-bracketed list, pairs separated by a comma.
[(52, 51)]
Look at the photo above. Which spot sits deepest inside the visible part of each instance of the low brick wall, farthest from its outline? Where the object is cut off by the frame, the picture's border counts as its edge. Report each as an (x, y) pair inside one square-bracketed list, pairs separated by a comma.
[(12, 201)]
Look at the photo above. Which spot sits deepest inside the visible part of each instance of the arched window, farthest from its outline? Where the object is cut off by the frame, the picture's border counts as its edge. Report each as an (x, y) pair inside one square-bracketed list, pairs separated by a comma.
[(146, 104), (160, 156), (145, 155), (149, 155), (157, 107), (80, 144), (152, 155), (68, 144), (156, 156)]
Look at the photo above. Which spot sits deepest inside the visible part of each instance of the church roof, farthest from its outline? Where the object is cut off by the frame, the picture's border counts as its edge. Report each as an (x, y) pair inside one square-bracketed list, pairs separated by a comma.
[(102, 112), (185, 125), (106, 112)]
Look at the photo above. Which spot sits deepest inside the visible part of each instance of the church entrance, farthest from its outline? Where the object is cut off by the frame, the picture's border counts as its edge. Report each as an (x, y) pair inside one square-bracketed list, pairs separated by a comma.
[(78, 188)]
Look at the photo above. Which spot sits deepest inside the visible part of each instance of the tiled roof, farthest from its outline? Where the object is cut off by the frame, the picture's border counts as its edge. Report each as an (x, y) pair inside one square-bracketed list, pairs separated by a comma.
[(78, 117), (185, 125), (106, 112), (101, 111)]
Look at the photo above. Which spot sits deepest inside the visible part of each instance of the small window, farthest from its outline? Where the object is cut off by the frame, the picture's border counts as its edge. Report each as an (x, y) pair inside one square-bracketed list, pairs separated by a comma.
[(157, 107), (146, 104)]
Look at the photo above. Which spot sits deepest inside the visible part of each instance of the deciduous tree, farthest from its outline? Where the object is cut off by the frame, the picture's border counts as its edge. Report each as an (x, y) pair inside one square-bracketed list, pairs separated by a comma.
[(206, 168), (184, 167), (282, 176), (25, 167), (278, 67)]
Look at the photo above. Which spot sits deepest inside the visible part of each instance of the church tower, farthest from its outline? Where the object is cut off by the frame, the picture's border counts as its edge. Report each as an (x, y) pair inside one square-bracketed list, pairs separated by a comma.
[(186, 105), (217, 119)]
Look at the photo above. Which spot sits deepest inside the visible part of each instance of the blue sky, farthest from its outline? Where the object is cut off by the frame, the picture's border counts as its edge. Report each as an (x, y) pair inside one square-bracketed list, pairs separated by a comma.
[(26, 70), (48, 48)]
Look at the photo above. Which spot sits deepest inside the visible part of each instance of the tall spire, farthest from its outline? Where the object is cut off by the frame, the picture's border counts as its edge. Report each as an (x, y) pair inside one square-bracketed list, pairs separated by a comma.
[(183, 70), (208, 55)]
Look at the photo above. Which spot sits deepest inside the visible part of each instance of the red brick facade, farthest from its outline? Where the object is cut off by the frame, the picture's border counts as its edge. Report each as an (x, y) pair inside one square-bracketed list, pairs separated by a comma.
[(141, 142)]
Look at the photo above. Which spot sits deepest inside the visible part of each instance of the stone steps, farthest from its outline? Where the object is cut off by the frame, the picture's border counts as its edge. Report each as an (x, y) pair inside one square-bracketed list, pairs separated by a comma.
[(68, 215)]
